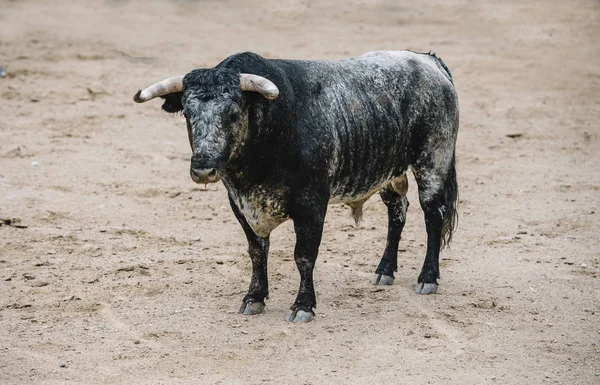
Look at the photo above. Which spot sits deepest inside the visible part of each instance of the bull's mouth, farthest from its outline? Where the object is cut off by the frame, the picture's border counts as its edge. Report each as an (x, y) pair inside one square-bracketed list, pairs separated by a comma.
[(205, 176)]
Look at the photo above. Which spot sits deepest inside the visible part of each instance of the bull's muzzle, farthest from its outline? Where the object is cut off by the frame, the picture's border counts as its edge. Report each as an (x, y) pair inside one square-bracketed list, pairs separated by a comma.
[(209, 175)]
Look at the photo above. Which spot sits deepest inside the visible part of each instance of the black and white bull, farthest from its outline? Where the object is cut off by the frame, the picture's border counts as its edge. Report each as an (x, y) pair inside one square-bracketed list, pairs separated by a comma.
[(289, 137)]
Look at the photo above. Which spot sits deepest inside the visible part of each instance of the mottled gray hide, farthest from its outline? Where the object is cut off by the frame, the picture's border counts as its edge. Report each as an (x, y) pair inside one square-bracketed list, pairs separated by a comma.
[(365, 109)]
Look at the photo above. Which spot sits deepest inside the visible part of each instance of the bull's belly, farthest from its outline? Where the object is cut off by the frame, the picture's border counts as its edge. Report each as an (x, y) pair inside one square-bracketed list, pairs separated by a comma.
[(400, 184), (357, 179), (356, 201), (336, 197)]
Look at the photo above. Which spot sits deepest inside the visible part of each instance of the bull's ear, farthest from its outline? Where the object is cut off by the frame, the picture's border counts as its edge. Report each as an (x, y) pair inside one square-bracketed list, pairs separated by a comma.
[(172, 102)]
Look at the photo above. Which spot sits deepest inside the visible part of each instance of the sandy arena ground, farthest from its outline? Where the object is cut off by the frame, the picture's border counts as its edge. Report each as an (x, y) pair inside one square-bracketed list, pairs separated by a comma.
[(128, 272)]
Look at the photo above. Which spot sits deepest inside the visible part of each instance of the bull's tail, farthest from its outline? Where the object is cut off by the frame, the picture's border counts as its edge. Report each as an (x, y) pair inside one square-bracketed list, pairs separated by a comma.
[(450, 220)]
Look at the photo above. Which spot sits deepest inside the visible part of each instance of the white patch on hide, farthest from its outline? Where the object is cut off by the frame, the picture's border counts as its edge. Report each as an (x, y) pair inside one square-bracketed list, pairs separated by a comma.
[(264, 210)]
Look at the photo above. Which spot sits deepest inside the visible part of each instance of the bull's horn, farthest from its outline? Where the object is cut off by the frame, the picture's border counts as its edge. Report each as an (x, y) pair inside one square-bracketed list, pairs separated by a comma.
[(164, 87), (255, 83)]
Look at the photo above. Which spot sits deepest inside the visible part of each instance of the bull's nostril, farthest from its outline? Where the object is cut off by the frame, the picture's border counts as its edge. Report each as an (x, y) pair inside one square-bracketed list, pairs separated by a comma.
[(205, 176)]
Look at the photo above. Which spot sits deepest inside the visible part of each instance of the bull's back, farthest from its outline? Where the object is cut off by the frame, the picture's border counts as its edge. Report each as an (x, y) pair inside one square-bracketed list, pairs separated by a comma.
[(368, 112)]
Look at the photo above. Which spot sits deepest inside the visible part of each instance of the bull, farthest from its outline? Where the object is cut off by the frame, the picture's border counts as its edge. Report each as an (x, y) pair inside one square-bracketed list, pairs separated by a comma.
[(289, 137)]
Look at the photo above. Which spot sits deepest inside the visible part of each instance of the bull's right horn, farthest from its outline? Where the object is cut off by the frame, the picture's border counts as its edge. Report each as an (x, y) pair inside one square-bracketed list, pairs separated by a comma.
[(164, 87)]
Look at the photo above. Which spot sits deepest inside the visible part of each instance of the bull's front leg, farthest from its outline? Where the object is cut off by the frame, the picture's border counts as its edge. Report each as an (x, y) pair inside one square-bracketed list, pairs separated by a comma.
[(309, 216), (258, 249)]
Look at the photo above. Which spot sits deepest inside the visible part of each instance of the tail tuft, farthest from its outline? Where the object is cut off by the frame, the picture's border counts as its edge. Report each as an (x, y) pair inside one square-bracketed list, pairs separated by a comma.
[(450, 221)]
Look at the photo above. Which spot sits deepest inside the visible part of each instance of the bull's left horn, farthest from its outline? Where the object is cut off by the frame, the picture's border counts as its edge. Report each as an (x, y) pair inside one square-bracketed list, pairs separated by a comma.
[(255, 83), (164, 87)]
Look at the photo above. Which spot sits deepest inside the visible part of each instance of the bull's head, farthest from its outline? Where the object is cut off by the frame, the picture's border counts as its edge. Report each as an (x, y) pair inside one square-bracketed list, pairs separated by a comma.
[(212, 102)]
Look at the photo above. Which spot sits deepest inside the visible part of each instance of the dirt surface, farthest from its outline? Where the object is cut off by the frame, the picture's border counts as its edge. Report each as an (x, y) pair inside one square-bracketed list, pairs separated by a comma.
[(121, 270)]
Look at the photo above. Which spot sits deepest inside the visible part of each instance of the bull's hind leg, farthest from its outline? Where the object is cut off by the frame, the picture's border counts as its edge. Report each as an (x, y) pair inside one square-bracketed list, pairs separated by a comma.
[(438, 193), (258, 249), (394, 197)]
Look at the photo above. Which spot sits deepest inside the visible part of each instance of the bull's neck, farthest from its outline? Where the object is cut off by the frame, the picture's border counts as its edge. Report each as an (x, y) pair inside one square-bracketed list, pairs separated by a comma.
[(254, 144)]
